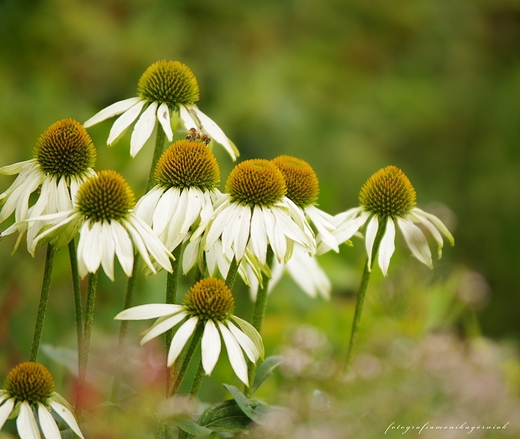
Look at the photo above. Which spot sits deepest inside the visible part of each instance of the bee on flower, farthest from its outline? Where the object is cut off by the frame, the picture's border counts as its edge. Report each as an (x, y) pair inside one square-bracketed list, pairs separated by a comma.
[(165, 88)]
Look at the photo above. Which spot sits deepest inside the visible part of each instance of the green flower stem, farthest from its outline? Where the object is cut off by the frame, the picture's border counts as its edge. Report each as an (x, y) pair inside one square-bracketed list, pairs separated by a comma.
[(197, 380), (177, 377), (87, 331), (232, 273), (159, 147), (77, 294), (44, 299), (195, 387), (261, 297), (362, 293), (172, 282), (258, 317), (130, 287)]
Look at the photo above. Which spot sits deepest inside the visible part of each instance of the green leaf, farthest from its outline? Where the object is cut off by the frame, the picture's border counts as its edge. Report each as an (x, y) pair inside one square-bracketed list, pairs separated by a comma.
[(265, 370), (242, 401), (192, 427), (225, 416)]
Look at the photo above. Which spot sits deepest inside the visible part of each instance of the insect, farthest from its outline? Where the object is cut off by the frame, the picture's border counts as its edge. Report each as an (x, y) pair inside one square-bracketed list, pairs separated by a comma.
[(197, 136)]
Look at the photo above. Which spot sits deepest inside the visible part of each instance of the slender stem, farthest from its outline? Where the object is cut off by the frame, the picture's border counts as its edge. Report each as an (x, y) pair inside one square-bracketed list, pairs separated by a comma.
[(232, 273), (44, 299), (172, 282), (365, 278), (77, 294), (159, 147), (87, 331), (177, 377), (195, 387), (197, 380), (261, 296), (258, 316), (130, 288)]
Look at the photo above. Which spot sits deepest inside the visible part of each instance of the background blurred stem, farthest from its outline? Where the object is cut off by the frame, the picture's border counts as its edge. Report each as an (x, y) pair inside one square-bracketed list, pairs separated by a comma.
[(77, 294), (44, 299), (87, 332)]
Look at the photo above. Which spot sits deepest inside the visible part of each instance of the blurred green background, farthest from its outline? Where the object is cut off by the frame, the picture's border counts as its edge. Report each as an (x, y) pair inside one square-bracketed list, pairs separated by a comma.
[(432, 87)]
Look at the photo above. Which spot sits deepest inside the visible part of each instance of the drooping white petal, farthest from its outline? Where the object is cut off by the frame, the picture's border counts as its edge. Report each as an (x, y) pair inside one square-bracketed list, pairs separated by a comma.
[(190, 255), (258, 235), (437, 222), (112, 110), (139, 243), (5, 410), (416, 241), (107, 259), (279, 244), (348, 224), (180, 339), (324, 227), (143, 129), (215, 132), (65, 414), (242, 232), (163, 115), (165, 209), (123, 247), (245, 342), (221, 220), (147, 205), (124, 121), (193, 198), (153, 244), (16, 168), (26, 423), (236, 357), (186, 118), (47, 423), (370, 237), (148, 311), (431, 227), (162, 327), (248, 329), (307, 273), (90, 246), (387, 246), (210, 346)]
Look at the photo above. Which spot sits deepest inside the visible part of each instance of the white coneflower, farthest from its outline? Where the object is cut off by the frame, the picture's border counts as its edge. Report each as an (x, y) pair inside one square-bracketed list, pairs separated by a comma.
[(107, 227), (388, 200), (63, 159), (165, 87), (187, 176), (208, 307), (29, 395), (255, 214)]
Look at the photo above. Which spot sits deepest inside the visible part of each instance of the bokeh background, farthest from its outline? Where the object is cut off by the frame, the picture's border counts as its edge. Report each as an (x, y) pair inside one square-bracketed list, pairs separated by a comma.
[(349, 86)]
